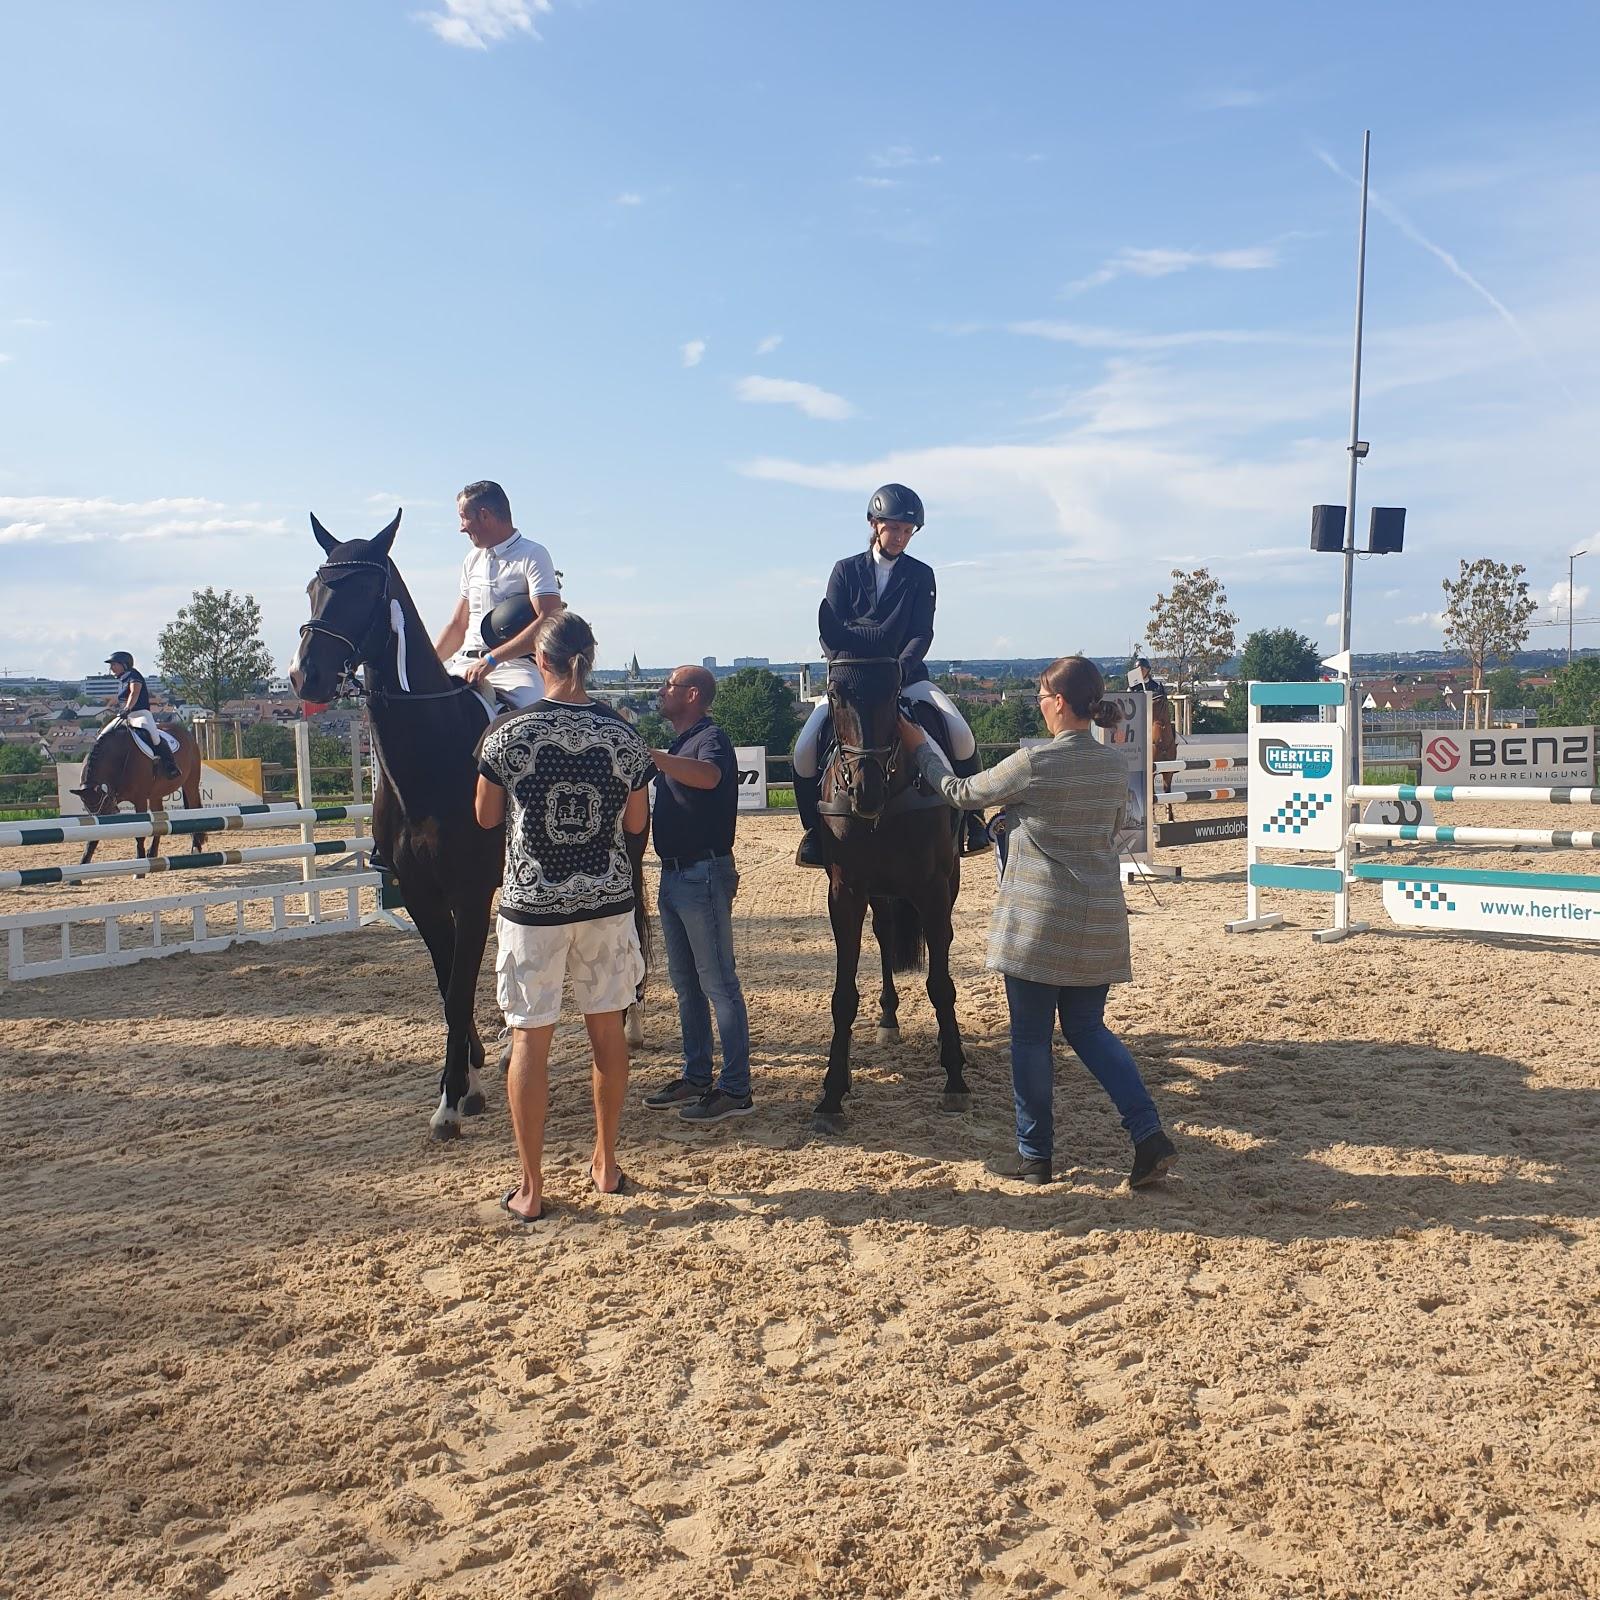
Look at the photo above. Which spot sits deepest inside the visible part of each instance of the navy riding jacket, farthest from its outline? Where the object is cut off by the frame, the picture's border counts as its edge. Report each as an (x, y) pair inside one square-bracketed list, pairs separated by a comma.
[(904, 613)]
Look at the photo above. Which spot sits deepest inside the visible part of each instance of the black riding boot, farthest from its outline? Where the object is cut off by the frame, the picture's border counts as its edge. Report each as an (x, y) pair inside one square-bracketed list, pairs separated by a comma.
[(974, 840), (167, 760), (807, 797)]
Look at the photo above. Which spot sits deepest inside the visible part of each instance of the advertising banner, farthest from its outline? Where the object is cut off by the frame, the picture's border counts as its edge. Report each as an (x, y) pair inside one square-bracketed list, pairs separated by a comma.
[(1503, 907), (1530, 756), (1169, 835), (1296, 798), (752, 761), (222, 783)]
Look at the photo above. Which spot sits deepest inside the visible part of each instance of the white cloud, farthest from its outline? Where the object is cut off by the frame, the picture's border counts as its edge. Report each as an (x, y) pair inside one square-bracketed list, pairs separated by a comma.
[(1088, 337), (1158, 263), (807, 397), (1556, 600), (4, 357), (27, 519), (901, 155), (692, 352), (1424, 619), (1331, 620), (878, 183), (1233, 99), (29, 322), (477, 24), (769, 344), (629, 197)]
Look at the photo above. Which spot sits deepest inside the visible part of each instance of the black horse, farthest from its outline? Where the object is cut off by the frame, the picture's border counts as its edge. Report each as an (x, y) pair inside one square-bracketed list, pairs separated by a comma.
[(425, 730), (892, 847)]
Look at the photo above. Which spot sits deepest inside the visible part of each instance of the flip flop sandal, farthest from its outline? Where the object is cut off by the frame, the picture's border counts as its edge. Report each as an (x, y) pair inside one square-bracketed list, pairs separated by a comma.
[(517, 1216), (624, 1185)]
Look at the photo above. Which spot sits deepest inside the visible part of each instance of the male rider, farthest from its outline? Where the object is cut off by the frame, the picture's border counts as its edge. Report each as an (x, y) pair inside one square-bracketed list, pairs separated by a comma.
[(501, 565)]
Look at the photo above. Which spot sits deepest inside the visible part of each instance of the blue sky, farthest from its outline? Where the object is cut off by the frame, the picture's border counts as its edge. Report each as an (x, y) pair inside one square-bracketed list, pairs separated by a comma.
[(692, 279)]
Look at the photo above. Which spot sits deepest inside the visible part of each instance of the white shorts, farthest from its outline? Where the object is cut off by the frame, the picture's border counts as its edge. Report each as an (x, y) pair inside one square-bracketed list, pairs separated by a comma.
[(601, 956)]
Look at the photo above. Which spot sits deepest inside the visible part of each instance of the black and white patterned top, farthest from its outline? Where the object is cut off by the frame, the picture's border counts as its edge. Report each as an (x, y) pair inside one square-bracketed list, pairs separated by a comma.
[(567, 771)]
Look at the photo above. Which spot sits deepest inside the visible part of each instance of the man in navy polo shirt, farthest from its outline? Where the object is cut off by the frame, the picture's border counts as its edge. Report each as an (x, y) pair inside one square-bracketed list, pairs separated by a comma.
[(697, 801)]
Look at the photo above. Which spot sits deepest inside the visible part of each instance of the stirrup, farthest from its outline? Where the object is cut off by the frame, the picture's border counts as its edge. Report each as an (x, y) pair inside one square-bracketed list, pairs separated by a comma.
[(809, 852)]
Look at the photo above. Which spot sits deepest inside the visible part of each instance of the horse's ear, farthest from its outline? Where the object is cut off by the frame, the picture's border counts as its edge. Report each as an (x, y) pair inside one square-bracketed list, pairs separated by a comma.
[(324, 538), (380, 545)]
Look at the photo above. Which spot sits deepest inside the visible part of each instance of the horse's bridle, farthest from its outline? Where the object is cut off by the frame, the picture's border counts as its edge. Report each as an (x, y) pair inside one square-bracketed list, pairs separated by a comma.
[(851, 757), (349, 686)]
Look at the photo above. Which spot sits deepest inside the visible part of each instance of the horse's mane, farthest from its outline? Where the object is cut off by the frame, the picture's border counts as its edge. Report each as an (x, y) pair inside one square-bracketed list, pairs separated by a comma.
[(99, 767)]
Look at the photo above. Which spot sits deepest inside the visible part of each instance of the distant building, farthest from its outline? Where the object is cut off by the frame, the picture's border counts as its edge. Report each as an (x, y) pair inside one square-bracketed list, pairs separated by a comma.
[(709, 663), (103, 685), (749, 661)]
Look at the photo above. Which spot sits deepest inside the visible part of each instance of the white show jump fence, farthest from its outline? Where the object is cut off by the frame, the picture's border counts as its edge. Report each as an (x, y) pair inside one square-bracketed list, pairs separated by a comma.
[(215, 918), (1301, 801), (1224, 756)]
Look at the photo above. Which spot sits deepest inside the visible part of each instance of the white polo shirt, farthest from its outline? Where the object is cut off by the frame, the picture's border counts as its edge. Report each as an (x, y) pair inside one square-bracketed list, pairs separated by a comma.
[(515, 566)]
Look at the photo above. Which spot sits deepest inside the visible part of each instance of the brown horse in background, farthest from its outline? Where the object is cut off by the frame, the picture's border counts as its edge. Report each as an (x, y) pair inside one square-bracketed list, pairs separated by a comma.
[(118, 770), (1163, 741)]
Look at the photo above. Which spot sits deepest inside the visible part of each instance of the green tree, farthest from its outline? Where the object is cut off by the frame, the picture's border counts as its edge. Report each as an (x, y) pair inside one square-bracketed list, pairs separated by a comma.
[(1271, 655), (1575, 696), (1486, 613), (1505, 687), (654, 729), (756, 707), (270, 741), (1190, 627), (213, 650), (21, 761)]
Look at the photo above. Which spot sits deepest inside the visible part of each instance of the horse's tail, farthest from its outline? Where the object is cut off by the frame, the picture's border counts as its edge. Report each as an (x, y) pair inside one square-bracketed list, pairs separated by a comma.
[(907, 948), (641, 901)]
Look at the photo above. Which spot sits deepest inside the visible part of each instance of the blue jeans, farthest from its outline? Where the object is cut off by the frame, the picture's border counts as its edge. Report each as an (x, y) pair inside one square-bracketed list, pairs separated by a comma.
[(696, 906), (1034, 1008)]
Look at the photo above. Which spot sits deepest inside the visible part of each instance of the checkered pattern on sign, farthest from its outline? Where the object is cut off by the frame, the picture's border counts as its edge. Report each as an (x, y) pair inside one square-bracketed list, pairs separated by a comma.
[(1427, 896), (1297, 813)]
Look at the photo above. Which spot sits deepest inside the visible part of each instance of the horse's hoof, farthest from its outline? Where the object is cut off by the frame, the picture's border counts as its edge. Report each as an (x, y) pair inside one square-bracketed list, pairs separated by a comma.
[(444, 1125), (950, 1101), (827, 1121), (888, 1036), (474, 1105)]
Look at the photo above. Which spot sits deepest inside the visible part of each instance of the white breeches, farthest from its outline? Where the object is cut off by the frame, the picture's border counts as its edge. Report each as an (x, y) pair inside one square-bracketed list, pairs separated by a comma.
[(962, 744), (518, 681)]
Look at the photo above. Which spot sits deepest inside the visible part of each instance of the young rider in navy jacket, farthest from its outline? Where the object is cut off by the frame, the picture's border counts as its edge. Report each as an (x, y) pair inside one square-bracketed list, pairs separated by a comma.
[(897, 595)]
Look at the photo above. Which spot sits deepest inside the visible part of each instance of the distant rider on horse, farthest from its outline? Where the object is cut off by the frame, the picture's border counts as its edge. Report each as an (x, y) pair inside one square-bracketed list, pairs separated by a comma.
[(510, 579), (891, 595), (133, 709)]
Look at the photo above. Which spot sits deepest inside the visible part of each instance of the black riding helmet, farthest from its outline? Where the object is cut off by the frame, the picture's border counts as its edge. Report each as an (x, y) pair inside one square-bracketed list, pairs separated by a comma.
[(895, 503), (507, 620), (120, 658)]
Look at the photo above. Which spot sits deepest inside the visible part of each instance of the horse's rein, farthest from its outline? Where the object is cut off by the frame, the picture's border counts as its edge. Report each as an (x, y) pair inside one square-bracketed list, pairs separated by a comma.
[(849, 757)]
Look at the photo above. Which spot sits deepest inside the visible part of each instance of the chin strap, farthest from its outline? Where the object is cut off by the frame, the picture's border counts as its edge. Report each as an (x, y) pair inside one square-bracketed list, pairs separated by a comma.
[(397, 622)]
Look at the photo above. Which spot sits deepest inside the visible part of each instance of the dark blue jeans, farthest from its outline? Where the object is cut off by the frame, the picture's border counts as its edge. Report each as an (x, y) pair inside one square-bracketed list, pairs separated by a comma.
[(696, 905), (1034, 1010)]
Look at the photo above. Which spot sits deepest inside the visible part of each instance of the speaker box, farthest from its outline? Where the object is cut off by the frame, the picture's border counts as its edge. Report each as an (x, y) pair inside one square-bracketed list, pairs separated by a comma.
[(1327, 528), (1386, 533)]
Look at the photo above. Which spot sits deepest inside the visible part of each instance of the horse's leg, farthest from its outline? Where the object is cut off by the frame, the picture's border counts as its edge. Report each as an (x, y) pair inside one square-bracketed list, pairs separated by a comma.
[(1166, 784), (189, 761), (937, 930), (888, 996), (460, 1089), (847, 910), (431, 916), (633, 1024)]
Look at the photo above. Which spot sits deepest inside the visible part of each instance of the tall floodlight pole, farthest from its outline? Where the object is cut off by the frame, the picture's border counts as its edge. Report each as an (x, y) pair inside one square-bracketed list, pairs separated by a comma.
[(1355, 412), (1571, 600)]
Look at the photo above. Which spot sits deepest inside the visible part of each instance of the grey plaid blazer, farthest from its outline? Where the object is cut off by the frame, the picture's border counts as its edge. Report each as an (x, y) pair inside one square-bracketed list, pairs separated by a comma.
[(1059, 917)]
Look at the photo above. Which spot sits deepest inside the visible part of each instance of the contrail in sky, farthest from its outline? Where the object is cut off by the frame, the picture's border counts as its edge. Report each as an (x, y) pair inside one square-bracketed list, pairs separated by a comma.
[(1416, 236)]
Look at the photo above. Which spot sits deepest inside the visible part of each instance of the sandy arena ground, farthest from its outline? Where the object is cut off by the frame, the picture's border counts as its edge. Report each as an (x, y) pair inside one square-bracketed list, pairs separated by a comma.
[(261, 1338)]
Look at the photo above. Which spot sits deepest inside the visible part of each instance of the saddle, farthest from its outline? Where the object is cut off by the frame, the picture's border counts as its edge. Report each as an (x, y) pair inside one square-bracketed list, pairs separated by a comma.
[(915, 798), (140, 743)]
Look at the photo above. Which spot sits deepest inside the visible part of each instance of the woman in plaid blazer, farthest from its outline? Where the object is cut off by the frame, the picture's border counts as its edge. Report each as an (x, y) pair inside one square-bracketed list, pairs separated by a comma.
[(1059, 933)]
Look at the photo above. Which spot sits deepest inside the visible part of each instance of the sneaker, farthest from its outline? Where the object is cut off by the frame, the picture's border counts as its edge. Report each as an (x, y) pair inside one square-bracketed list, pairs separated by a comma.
[(1020, 1168), (1153, 1158), (680, 1092), (715, 1104)]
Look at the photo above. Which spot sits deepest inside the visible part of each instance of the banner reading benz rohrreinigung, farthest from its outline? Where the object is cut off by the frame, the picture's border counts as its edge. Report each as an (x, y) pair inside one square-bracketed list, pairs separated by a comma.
[(1532, 756)]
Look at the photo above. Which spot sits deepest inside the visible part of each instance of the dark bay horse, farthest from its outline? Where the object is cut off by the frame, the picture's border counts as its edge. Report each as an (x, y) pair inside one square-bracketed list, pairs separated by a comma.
[(893, 848), (425, 730), (118, 770)]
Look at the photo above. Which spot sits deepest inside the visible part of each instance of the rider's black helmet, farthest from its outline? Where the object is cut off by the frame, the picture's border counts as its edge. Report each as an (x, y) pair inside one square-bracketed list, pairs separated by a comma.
[(507, 619), (895, 503), (120, 658)]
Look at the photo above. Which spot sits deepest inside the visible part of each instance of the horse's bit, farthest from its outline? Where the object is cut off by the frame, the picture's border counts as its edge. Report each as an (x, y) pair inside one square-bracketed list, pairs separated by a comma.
[(851, 757)]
